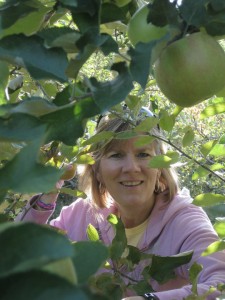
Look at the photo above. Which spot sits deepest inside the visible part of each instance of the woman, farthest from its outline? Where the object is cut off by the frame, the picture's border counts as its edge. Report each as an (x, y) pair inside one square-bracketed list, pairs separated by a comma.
[(158, 217)]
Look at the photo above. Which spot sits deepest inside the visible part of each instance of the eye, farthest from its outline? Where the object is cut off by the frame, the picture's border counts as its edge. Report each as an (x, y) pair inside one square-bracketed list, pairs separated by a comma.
[(144, 155), (115, 155)]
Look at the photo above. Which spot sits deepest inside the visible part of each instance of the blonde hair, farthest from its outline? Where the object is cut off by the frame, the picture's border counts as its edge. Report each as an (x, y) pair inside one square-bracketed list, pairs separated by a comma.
[(88, 180)]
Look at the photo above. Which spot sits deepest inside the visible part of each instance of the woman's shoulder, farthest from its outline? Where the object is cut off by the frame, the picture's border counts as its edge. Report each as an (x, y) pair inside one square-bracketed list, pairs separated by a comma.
[(86, 207)]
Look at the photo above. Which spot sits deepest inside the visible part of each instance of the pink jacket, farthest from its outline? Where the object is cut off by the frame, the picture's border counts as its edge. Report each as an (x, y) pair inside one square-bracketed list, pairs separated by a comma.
[(173, 228)]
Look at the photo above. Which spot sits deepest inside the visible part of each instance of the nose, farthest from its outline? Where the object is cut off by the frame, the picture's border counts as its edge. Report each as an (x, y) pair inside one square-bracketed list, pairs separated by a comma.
[(131, 164)]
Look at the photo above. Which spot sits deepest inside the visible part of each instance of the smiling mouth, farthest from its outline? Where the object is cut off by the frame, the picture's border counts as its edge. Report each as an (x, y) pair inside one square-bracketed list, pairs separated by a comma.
[(131, 183)]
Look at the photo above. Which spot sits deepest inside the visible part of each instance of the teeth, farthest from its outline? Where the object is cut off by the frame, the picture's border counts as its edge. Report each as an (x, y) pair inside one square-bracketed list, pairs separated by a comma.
[(131, 183)]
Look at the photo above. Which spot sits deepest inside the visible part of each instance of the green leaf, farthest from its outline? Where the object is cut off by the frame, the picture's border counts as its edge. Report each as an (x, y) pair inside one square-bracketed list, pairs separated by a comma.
[(162, 268), (85, 14), (17, 244), (112, 219), (222, 139), (111, 12), (188, 138), (92, 233), (33, 177), (8, 150), (20, 127), (74, 193), (209, 199), (89, 42), (207, 147), (218, 150), (28, 23), (213, 110), (215, 22), (214, 247), (84, 159), (4, 76), (146, 125), (119, 242), (39, 285), (219, 226), (89, 258), (64, 37), (114, 91), (166, 121), (203, 14), (194, 12), (99, 137), (10, 14), (218, 5), (109, 284), (144, 140), (19, 49), (134, 254), (162, 13), (34, 106), (140, 62), (193, 275), (68, 123), (142, 287), (124, 135), (164, 161), (201, 172)]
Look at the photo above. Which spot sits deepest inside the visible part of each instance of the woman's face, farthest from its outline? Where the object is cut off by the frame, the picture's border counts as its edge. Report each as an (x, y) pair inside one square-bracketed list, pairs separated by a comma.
[(125, 173)]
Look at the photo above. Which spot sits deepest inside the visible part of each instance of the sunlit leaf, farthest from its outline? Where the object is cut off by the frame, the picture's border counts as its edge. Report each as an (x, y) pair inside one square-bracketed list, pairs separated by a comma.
[(164, 161), (124, 135), (188, 138), (119, 242), (74, 193), (84, 159), (9, 15), (207, 147), (202, 172), (29, 22), (213, 110), (146, 125), (209, 199), (34, 106), (112, 219), (214, 247), (166, 121), (222, 139), (193, 275), (92, 233), (99, 137), (219, 226), (218, 150), (144, 140)]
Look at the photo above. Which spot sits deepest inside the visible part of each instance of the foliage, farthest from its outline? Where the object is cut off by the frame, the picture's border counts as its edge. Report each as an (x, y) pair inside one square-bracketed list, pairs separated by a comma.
[(62, 63)]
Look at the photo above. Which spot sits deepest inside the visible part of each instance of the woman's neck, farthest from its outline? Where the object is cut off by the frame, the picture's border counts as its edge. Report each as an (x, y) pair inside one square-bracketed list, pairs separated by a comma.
[(135, 217)]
